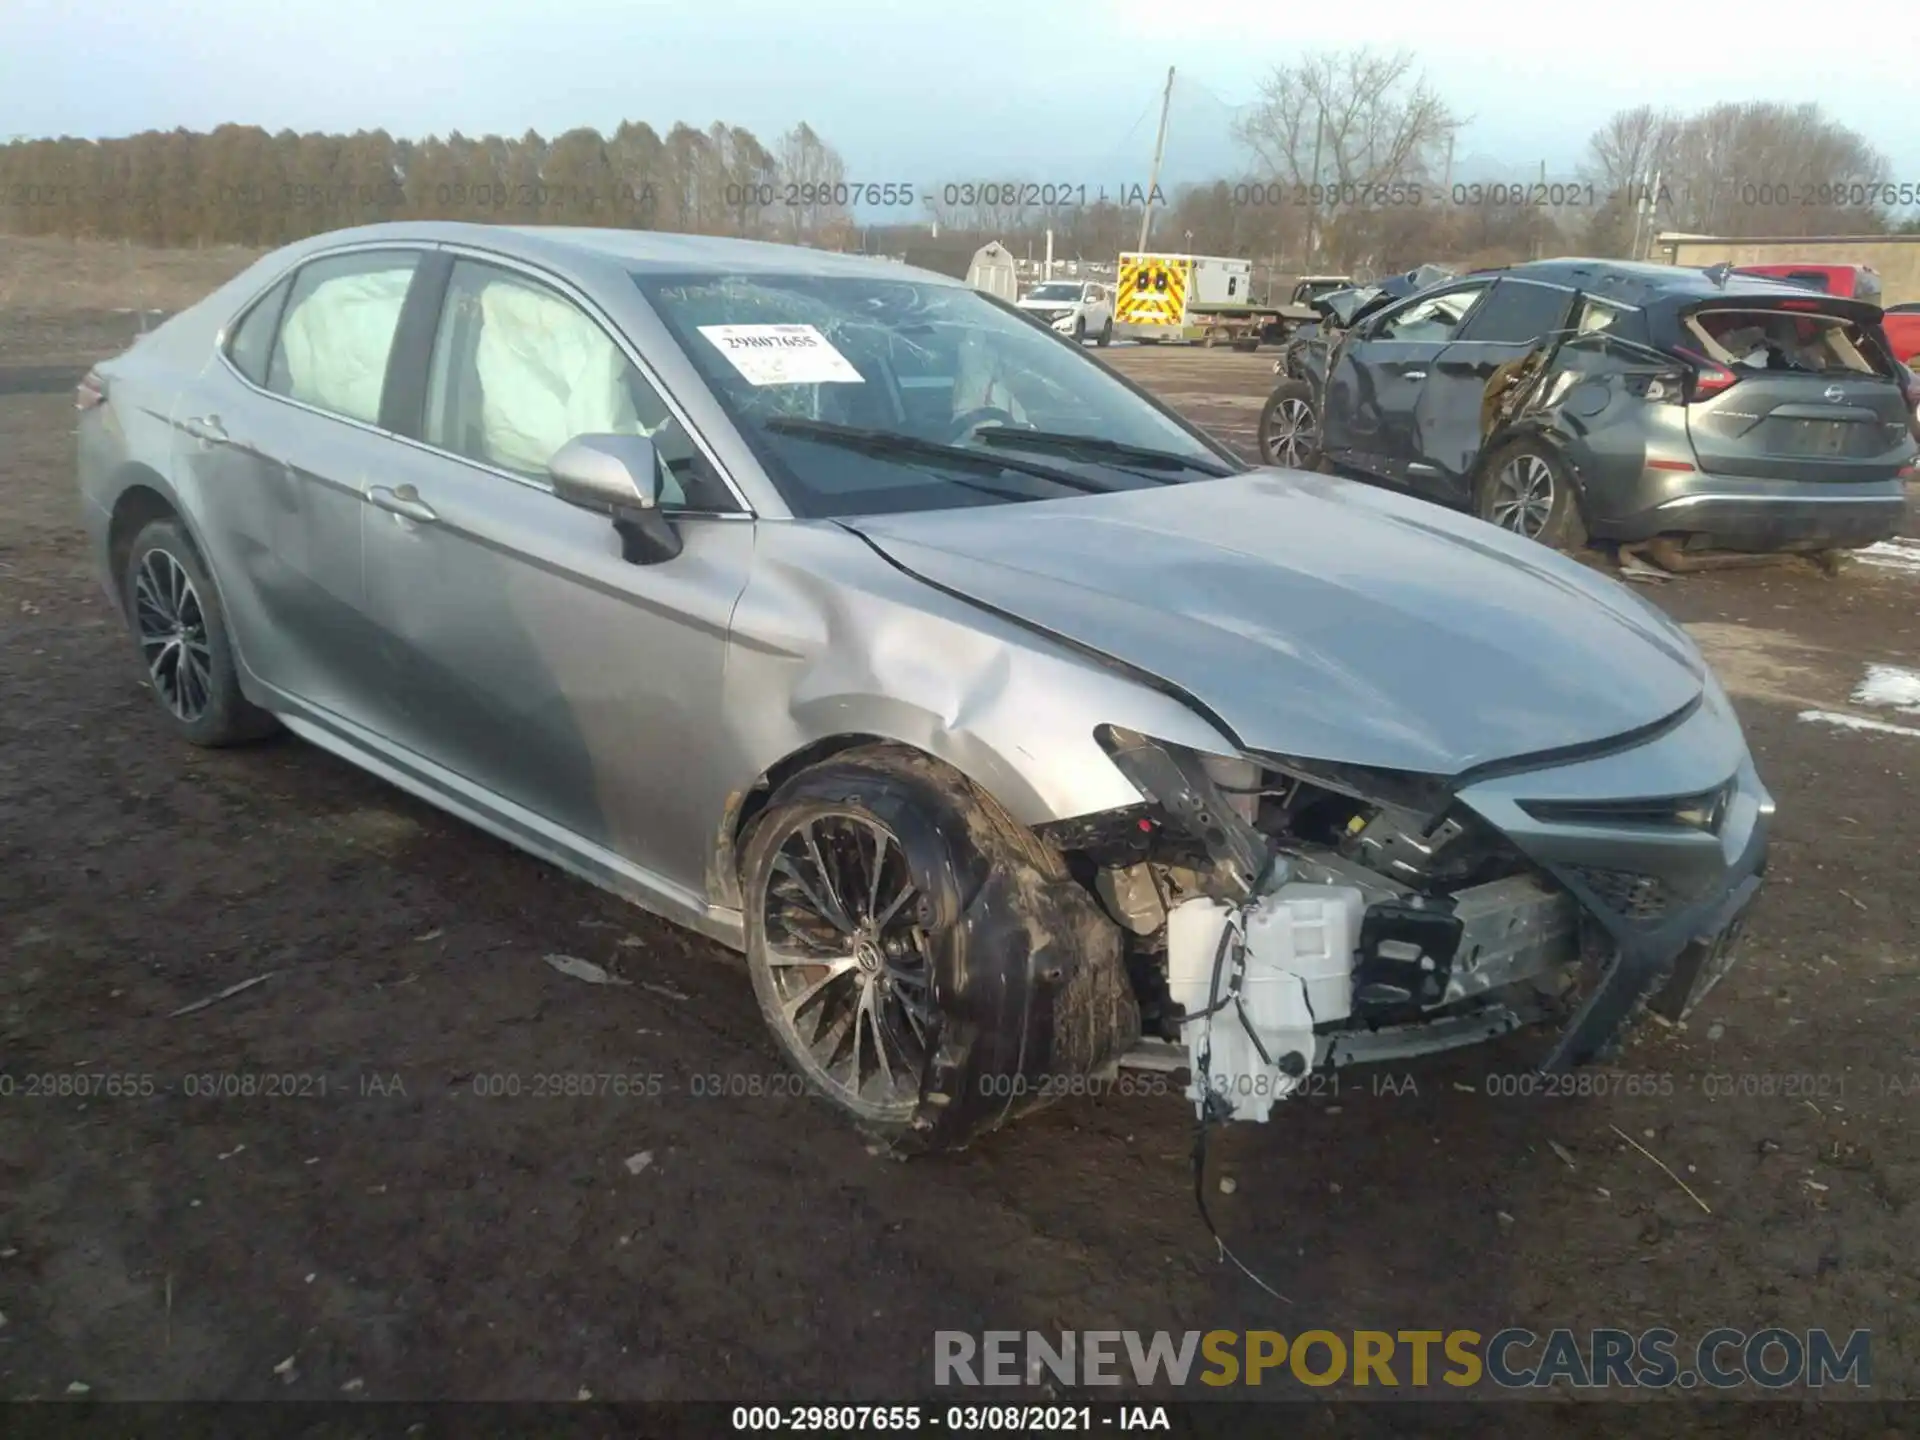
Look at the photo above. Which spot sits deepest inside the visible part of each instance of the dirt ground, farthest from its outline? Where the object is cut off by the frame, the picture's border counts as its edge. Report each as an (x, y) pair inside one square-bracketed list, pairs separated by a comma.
[(386, 1220)]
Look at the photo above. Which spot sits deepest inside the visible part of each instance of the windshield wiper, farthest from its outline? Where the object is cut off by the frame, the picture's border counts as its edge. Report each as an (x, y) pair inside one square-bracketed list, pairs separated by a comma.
[(1065, 443), (891, 445)]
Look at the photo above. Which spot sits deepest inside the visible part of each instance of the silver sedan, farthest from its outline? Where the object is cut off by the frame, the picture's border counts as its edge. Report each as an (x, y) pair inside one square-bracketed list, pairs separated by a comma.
[(1011, 726)]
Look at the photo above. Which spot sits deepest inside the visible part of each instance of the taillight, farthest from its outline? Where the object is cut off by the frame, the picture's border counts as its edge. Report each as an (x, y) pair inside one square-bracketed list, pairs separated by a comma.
[(90, 392), (1707, 379)]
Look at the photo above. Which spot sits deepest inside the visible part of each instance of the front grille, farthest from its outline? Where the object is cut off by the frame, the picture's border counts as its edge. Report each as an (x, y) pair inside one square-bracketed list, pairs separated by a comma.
[(1635, 896)]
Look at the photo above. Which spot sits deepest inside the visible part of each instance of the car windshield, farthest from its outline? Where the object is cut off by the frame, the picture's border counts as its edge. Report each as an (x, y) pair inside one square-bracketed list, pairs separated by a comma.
[(870, 395), (1055, 290)]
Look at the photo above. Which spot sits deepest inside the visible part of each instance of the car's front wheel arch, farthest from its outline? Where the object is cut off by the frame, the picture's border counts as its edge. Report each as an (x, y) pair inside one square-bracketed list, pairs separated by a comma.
[(1014, 974)]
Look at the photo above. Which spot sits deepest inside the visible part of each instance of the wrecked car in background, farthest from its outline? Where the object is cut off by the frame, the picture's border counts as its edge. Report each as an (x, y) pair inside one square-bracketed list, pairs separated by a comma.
[(1565, 399), (998, 715)]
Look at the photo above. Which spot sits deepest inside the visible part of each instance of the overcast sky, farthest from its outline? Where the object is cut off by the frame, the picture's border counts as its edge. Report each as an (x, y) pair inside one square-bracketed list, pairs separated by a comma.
[(1040, 89)]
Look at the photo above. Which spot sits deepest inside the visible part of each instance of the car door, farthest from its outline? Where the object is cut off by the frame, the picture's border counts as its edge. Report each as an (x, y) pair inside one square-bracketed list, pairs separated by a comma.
[(1508, 324), (1370, 409), (273, 438), (524, 655)]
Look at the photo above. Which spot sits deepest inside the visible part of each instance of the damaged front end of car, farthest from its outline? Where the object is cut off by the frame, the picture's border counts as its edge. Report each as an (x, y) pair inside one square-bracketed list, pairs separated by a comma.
[(1285, 915)]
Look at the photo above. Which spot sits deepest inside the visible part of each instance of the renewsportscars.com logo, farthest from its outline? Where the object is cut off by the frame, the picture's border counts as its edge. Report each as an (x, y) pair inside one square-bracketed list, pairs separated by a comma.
[(1514, 1359)]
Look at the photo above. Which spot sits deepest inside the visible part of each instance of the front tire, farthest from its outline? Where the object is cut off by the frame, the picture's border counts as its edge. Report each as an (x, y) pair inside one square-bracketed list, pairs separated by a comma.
[(1106, 334), (922, 959), (1290, 427), (1080, 330), (180, 632), (1526, 488)]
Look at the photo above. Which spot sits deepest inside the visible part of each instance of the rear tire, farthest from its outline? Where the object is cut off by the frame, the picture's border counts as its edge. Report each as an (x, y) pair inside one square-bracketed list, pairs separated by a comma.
[(1525, 488), (923, 960), (1290, 427), (180, 633)]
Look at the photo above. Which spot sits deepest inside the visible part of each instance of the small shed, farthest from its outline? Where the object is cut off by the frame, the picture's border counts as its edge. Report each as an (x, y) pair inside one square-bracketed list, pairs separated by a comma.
[(995, 271)]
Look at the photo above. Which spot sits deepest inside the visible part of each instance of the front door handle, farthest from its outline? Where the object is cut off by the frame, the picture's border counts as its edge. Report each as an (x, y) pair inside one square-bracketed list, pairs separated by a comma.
[(205, 428), (1415, 375), (403, 501)]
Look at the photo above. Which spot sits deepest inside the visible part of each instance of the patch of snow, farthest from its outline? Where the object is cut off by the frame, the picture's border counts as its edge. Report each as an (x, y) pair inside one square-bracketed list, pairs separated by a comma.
[(1891, 686), (1902, 555), (1857, 722)]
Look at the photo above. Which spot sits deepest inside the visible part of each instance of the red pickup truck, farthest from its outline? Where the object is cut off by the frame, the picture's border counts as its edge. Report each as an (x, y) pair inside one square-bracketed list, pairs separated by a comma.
[(1858, 282)]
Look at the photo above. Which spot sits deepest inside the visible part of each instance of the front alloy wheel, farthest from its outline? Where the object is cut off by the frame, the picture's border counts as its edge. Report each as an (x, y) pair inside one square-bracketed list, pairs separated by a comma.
[(847, 956), (923, 959), (1290, 427)]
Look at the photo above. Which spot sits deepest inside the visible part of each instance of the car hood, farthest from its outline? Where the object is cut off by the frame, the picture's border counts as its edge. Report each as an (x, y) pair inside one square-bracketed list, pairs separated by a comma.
[(1047, 304), (1319, 618)]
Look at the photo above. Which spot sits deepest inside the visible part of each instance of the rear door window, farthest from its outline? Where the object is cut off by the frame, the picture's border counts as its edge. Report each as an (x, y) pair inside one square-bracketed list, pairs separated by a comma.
[(341, 315), (1518, 312)]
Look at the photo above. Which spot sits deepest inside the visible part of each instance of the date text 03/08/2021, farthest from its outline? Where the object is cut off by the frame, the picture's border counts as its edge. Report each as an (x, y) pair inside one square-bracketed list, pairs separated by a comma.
[(954, 1419)]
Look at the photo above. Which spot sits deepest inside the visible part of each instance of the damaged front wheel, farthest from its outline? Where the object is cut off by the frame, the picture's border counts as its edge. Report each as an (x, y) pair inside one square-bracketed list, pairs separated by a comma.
[(923, 960), (1290, 427)]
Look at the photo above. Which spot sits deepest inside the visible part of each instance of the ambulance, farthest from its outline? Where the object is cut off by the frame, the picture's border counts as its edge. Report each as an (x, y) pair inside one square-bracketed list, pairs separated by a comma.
[(1178, 297)]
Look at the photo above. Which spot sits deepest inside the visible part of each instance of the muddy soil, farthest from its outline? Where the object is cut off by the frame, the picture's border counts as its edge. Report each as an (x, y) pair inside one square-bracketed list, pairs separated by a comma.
[(371, 1165)]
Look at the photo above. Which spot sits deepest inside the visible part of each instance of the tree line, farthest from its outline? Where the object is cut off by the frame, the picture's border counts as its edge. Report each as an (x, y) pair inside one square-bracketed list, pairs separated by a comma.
[(1350, 169), (241, 185)]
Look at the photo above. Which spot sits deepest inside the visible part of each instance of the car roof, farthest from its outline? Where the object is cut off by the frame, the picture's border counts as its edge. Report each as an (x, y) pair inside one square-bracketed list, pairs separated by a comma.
[(1640, 283), (640, 251)]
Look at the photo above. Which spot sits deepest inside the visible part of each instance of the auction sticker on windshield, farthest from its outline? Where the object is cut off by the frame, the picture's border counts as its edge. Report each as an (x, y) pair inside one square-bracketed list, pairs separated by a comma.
[(782, 354)]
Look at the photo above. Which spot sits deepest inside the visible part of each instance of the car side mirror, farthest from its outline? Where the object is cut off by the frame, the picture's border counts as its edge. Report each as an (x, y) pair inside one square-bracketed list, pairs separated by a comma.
[(618, 476)]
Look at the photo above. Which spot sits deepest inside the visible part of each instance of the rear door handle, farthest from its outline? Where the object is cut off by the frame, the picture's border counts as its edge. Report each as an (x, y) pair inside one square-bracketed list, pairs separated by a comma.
[(1415, 375), (206, 428), (403, 501)]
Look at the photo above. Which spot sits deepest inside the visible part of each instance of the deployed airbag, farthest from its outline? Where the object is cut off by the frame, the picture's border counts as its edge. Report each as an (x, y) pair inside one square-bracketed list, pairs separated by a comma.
[(335, 342), (547, 374)]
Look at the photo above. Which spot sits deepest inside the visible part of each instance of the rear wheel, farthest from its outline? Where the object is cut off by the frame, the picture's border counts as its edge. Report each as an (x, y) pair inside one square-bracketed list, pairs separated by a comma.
[(181, 632), (1290, 427), (1526, 488), (923, 960)]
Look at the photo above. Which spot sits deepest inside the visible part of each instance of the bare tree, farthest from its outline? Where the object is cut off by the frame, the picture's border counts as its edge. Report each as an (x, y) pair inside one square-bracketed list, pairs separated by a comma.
[(1340, 130), (815, 172), (1755, 168), (1626, 159)]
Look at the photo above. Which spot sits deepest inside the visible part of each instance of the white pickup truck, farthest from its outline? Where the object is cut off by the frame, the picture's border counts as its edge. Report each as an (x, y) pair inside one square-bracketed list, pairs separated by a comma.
[(1080, 308)]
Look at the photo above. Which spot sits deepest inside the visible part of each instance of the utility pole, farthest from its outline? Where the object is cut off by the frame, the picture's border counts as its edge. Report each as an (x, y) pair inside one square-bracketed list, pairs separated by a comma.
[(1159, 150), (1313, 185)]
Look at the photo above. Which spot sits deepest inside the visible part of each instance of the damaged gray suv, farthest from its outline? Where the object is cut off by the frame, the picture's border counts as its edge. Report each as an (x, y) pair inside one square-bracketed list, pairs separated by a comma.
[(1009, 725), (1574, 399)]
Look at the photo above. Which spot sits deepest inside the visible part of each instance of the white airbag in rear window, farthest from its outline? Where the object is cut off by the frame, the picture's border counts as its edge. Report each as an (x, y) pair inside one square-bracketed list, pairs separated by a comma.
[(335, 341)]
